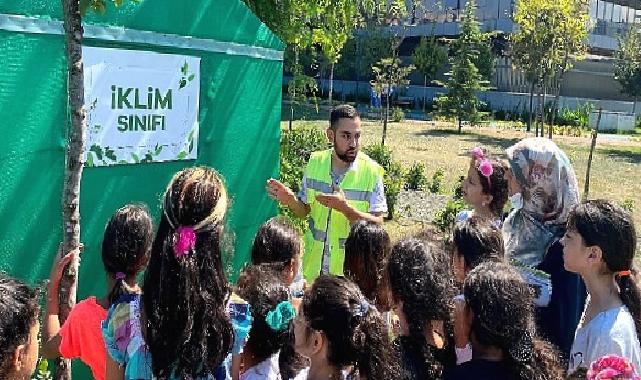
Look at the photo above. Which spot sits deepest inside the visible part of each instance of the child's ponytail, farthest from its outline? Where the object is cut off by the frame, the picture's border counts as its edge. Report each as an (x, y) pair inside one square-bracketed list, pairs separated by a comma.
[(371, 344), (630, 297), (125, 246)]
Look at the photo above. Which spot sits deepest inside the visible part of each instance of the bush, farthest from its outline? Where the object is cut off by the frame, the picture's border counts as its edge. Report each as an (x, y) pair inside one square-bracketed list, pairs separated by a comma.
[(436, 187), (628, 205), (415, 178), (296, 146), (445, 219), (393, 179), (398, 115), (458, 189)]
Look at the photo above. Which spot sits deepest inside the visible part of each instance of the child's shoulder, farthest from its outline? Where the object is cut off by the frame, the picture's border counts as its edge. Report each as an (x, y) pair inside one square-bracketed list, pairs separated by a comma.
[(89, 305), (87, 310), (125, 308)]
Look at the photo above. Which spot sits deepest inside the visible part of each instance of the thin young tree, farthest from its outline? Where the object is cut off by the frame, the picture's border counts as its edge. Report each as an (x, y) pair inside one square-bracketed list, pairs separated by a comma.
[(627, 66), (429, 58)]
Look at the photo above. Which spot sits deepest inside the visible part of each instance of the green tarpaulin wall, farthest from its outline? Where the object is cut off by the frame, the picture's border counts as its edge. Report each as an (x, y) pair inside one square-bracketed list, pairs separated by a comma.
[(240, 97)]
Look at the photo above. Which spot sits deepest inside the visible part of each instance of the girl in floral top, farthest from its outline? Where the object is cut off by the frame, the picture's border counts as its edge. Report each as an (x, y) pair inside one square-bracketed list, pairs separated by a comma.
[(179, 328)]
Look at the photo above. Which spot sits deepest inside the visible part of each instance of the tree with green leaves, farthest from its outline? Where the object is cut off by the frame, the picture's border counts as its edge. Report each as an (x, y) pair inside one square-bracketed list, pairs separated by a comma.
[(627, 67), (550, 35), (464, 79), (429, 58), (291, 20), (389, 73), (367, 47), (336, 20), (571, 47), (532, 44)]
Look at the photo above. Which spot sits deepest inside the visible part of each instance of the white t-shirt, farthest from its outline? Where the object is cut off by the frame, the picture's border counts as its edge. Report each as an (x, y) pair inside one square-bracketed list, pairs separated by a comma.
[(268, 369), (610, 332)]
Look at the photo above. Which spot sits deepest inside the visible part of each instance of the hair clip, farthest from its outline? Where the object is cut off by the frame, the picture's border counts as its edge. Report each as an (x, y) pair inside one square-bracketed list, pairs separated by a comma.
[(362, 309), (184, 241), (279, 318)]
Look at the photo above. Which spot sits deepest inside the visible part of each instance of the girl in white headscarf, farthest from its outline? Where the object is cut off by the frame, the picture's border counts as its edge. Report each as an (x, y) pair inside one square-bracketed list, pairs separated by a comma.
[(543, 191)]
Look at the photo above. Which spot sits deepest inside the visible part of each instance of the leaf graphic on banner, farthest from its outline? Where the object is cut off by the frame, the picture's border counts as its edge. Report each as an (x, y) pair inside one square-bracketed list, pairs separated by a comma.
[(97, 150), (185, 68), (110, 154), (191, 77), (182, 155), (89, 162), (148, 157), (158, 150), (135, 157), (190, 139)]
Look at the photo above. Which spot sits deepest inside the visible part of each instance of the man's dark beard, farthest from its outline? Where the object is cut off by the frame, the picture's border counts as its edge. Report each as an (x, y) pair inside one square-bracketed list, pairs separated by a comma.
[(343, 156)]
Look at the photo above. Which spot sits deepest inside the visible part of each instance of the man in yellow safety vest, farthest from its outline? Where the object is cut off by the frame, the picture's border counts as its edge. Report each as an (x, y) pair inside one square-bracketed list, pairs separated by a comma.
[(340, 187)]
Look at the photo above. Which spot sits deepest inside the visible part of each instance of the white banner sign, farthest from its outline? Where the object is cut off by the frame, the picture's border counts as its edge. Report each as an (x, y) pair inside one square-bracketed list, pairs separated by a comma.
[(141, 106)]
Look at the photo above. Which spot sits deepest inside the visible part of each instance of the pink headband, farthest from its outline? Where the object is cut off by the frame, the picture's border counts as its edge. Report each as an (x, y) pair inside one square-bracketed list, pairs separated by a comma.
[(483, 165)]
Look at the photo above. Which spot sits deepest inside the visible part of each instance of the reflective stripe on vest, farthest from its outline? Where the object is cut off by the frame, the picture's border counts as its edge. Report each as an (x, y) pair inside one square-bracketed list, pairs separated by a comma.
[(357, 185)]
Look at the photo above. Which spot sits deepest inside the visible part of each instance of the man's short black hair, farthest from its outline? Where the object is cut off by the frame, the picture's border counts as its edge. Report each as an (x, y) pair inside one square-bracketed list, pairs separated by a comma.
[(344, 111)]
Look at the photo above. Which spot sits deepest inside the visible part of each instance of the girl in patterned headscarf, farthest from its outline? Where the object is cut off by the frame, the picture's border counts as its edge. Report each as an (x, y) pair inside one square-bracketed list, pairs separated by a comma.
[(543, 190)]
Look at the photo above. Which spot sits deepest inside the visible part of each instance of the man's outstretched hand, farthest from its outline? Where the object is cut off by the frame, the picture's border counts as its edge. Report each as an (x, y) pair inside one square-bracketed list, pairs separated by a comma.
[(280, 193)]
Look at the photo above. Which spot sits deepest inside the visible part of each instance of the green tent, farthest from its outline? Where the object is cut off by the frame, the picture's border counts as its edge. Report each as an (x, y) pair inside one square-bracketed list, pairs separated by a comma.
[(238, 115)]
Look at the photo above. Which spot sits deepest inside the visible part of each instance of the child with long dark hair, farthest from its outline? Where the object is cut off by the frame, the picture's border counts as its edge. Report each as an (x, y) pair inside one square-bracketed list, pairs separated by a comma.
[(367, 250), (485, 188), (19, 327), (125, 251), (278, 244), (263, 355), (474, 241), (599, 244), (179, 328), (342, 334), (499, 314), (422, 295)]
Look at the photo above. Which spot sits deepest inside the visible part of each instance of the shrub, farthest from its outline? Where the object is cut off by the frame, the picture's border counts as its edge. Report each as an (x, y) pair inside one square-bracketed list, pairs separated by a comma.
[(628, 205), (436, 187), (415, 178), (398, 115), (445, 219), (296, 146), (393, 179)]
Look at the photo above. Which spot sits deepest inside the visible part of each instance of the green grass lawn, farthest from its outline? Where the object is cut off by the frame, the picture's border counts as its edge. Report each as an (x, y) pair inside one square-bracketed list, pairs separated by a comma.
[(616, 167)]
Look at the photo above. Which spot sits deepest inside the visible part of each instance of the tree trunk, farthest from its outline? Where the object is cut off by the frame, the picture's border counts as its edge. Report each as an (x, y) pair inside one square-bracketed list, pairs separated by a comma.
[(386, 117), (595, 133), (425, 94), (543, 111), (331, 86), (555, 105), (292, 101), (291, 115), (558, 80), (529, 123), (460, 125), (73, 164), (538, 112)]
